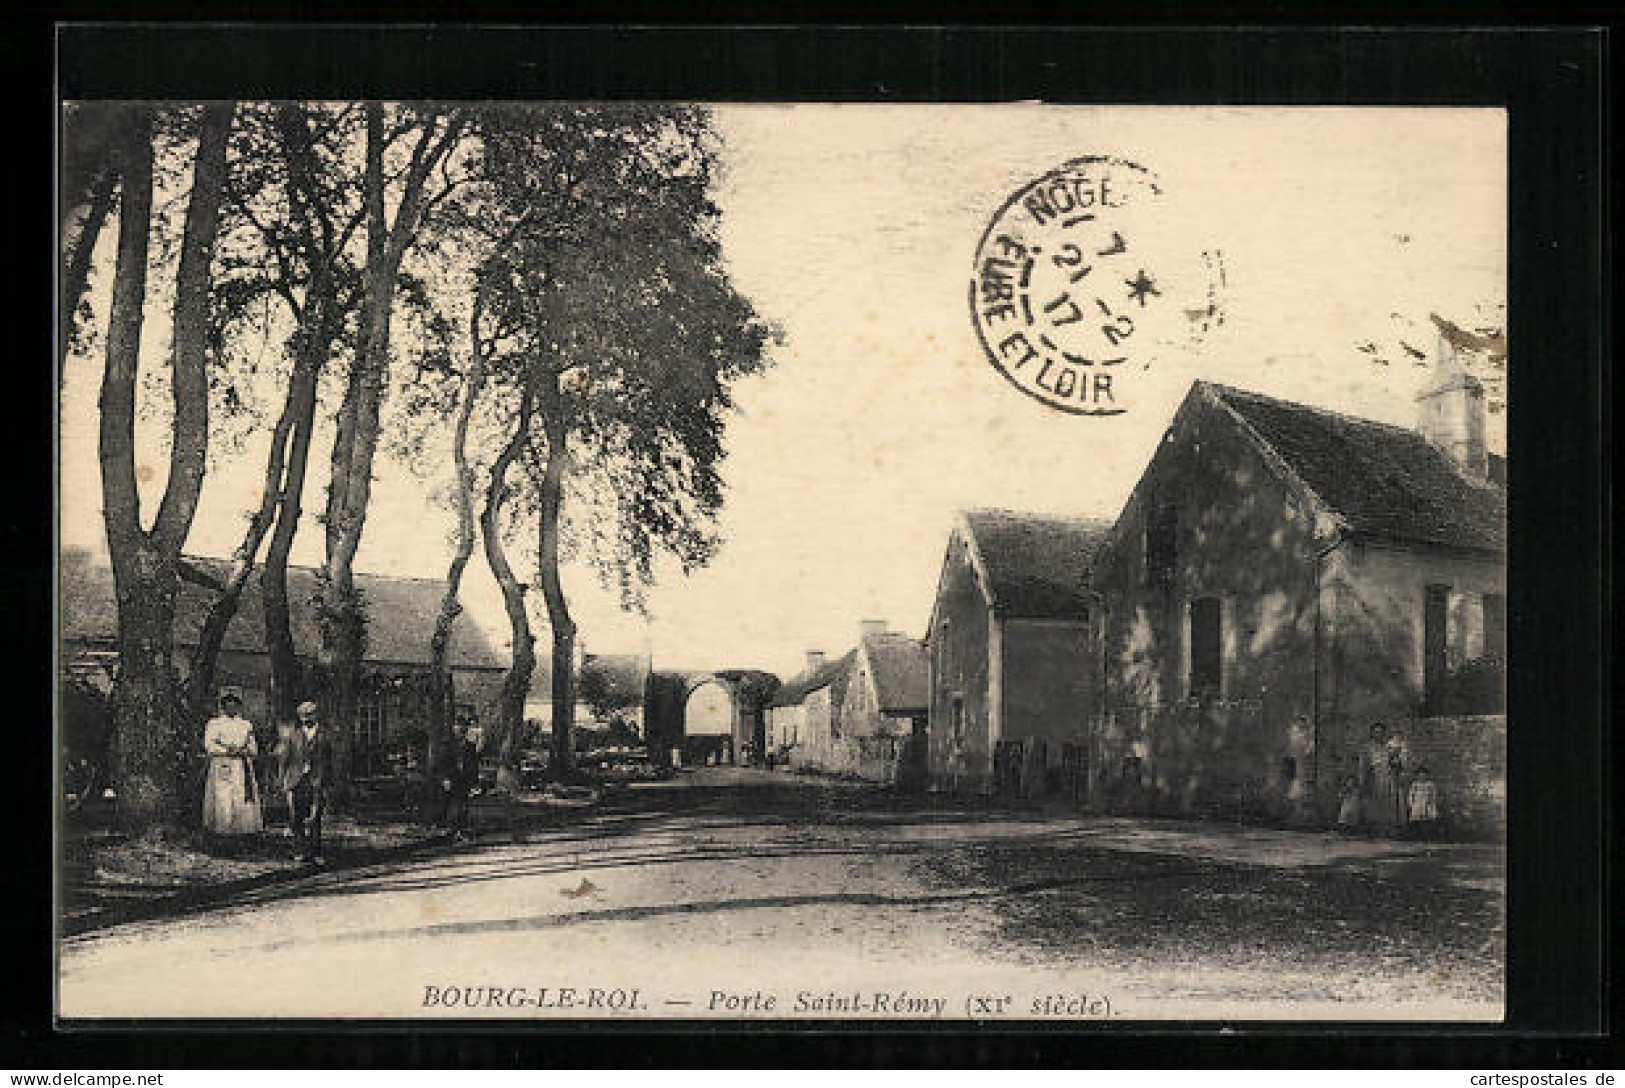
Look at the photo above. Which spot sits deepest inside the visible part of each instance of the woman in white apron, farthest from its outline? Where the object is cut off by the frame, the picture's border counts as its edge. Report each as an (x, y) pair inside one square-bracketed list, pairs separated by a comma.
[(231, 800)]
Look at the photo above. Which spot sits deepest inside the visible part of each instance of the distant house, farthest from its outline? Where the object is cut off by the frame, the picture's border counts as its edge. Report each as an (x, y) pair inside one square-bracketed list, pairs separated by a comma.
[(819, 746), (786, 711), (1281, 578), (858, 715), (883, 711), (401, 614), (1013, 661)]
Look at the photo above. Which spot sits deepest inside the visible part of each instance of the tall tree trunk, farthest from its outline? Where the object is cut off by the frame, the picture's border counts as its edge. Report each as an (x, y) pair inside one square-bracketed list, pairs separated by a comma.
[(343, 625), (558, 609), (206, 654), (442, 701), (188, 453), (79, 236), (151, 752), (516, 684), (288, 682)]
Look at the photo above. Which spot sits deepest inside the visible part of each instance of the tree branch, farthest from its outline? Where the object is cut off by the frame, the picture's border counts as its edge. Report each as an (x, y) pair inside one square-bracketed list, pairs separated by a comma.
[(189, 362), (191, 572)]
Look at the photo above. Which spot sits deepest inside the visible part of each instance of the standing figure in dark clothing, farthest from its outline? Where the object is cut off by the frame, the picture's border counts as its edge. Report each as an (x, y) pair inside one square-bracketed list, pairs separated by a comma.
[(462, 775), (307, 771)]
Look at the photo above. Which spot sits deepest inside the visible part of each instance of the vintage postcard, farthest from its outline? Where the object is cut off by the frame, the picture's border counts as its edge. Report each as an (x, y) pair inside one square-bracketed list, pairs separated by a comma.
[(803, 562)]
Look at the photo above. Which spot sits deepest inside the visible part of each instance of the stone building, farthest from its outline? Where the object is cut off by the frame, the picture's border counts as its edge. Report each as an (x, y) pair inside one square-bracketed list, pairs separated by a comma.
[(392, 715), (786, 711), (1013, 662), (858, 716), (882, 731), (818, 745), (1281, 578)]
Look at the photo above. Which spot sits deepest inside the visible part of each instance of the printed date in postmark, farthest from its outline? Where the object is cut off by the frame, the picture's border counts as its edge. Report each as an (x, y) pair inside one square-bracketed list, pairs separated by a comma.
[(1066, 294)]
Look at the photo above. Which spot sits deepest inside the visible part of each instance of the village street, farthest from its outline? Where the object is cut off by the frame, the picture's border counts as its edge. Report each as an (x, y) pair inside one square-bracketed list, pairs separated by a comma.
[(730, 892)]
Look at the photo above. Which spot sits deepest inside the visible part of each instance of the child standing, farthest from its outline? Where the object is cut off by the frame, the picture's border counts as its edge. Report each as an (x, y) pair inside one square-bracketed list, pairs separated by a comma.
[(1348, 811), (1422, 805)]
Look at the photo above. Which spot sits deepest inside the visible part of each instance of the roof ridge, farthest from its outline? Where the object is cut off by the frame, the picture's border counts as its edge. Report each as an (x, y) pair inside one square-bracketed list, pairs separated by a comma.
[(259, 564), (1031, 515), (1424, 479), (1222, 390)]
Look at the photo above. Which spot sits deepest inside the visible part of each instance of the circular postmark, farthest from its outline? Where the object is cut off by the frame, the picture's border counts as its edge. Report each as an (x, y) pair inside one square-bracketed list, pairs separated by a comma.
[(1069, 291)]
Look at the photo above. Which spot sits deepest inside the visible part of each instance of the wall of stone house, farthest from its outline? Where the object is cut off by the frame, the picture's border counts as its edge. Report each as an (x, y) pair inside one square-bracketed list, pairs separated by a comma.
[(1244, 537), (859, 720), (815, 751), (1051, 695), (958, 653), (1464, 755), (1373, 606), (872, 741)]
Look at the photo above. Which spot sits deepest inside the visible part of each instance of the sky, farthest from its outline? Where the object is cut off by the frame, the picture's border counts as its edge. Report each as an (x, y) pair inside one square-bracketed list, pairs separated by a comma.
[(854, 228)]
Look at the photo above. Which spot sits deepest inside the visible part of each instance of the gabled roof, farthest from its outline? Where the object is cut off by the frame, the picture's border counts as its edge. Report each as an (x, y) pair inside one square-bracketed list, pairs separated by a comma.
[(901, 674), (1378, 480), (1036, 566), (401, 614)]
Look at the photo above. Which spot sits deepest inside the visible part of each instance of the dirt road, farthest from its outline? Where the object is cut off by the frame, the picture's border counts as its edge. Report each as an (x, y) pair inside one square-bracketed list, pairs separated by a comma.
[(746, 893)]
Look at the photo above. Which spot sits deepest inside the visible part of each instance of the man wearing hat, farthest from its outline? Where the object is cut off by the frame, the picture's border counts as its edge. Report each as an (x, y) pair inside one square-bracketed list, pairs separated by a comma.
[(307, 768)]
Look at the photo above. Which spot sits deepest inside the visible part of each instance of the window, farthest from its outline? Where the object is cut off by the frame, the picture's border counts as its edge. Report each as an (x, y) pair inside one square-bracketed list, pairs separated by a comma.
[(956, 721), (1435, 634), (369, 734), (1206, 645), (1463, 652), (1161, 542), (1495, 626)]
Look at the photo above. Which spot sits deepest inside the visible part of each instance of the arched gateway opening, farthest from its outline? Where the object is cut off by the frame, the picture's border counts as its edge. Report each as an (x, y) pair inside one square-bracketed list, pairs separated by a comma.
[(708, 724)]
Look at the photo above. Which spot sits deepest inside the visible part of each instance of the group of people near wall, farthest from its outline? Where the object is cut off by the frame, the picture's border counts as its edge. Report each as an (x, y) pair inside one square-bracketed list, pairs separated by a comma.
[(303, 774), (1382, 789)]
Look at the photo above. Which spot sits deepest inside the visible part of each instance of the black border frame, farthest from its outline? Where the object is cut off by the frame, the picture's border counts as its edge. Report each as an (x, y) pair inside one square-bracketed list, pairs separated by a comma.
[(1553, 84)]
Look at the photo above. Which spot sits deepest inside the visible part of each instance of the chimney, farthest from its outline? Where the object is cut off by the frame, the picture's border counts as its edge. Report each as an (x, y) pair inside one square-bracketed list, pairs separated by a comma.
[(871, 627), (815, 661), (1450, 408)]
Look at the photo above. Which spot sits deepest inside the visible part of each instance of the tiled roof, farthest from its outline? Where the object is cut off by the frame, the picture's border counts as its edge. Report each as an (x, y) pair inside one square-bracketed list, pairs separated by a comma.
[(902, 678), (1038, 564), (1382, 481), (401, 614)]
